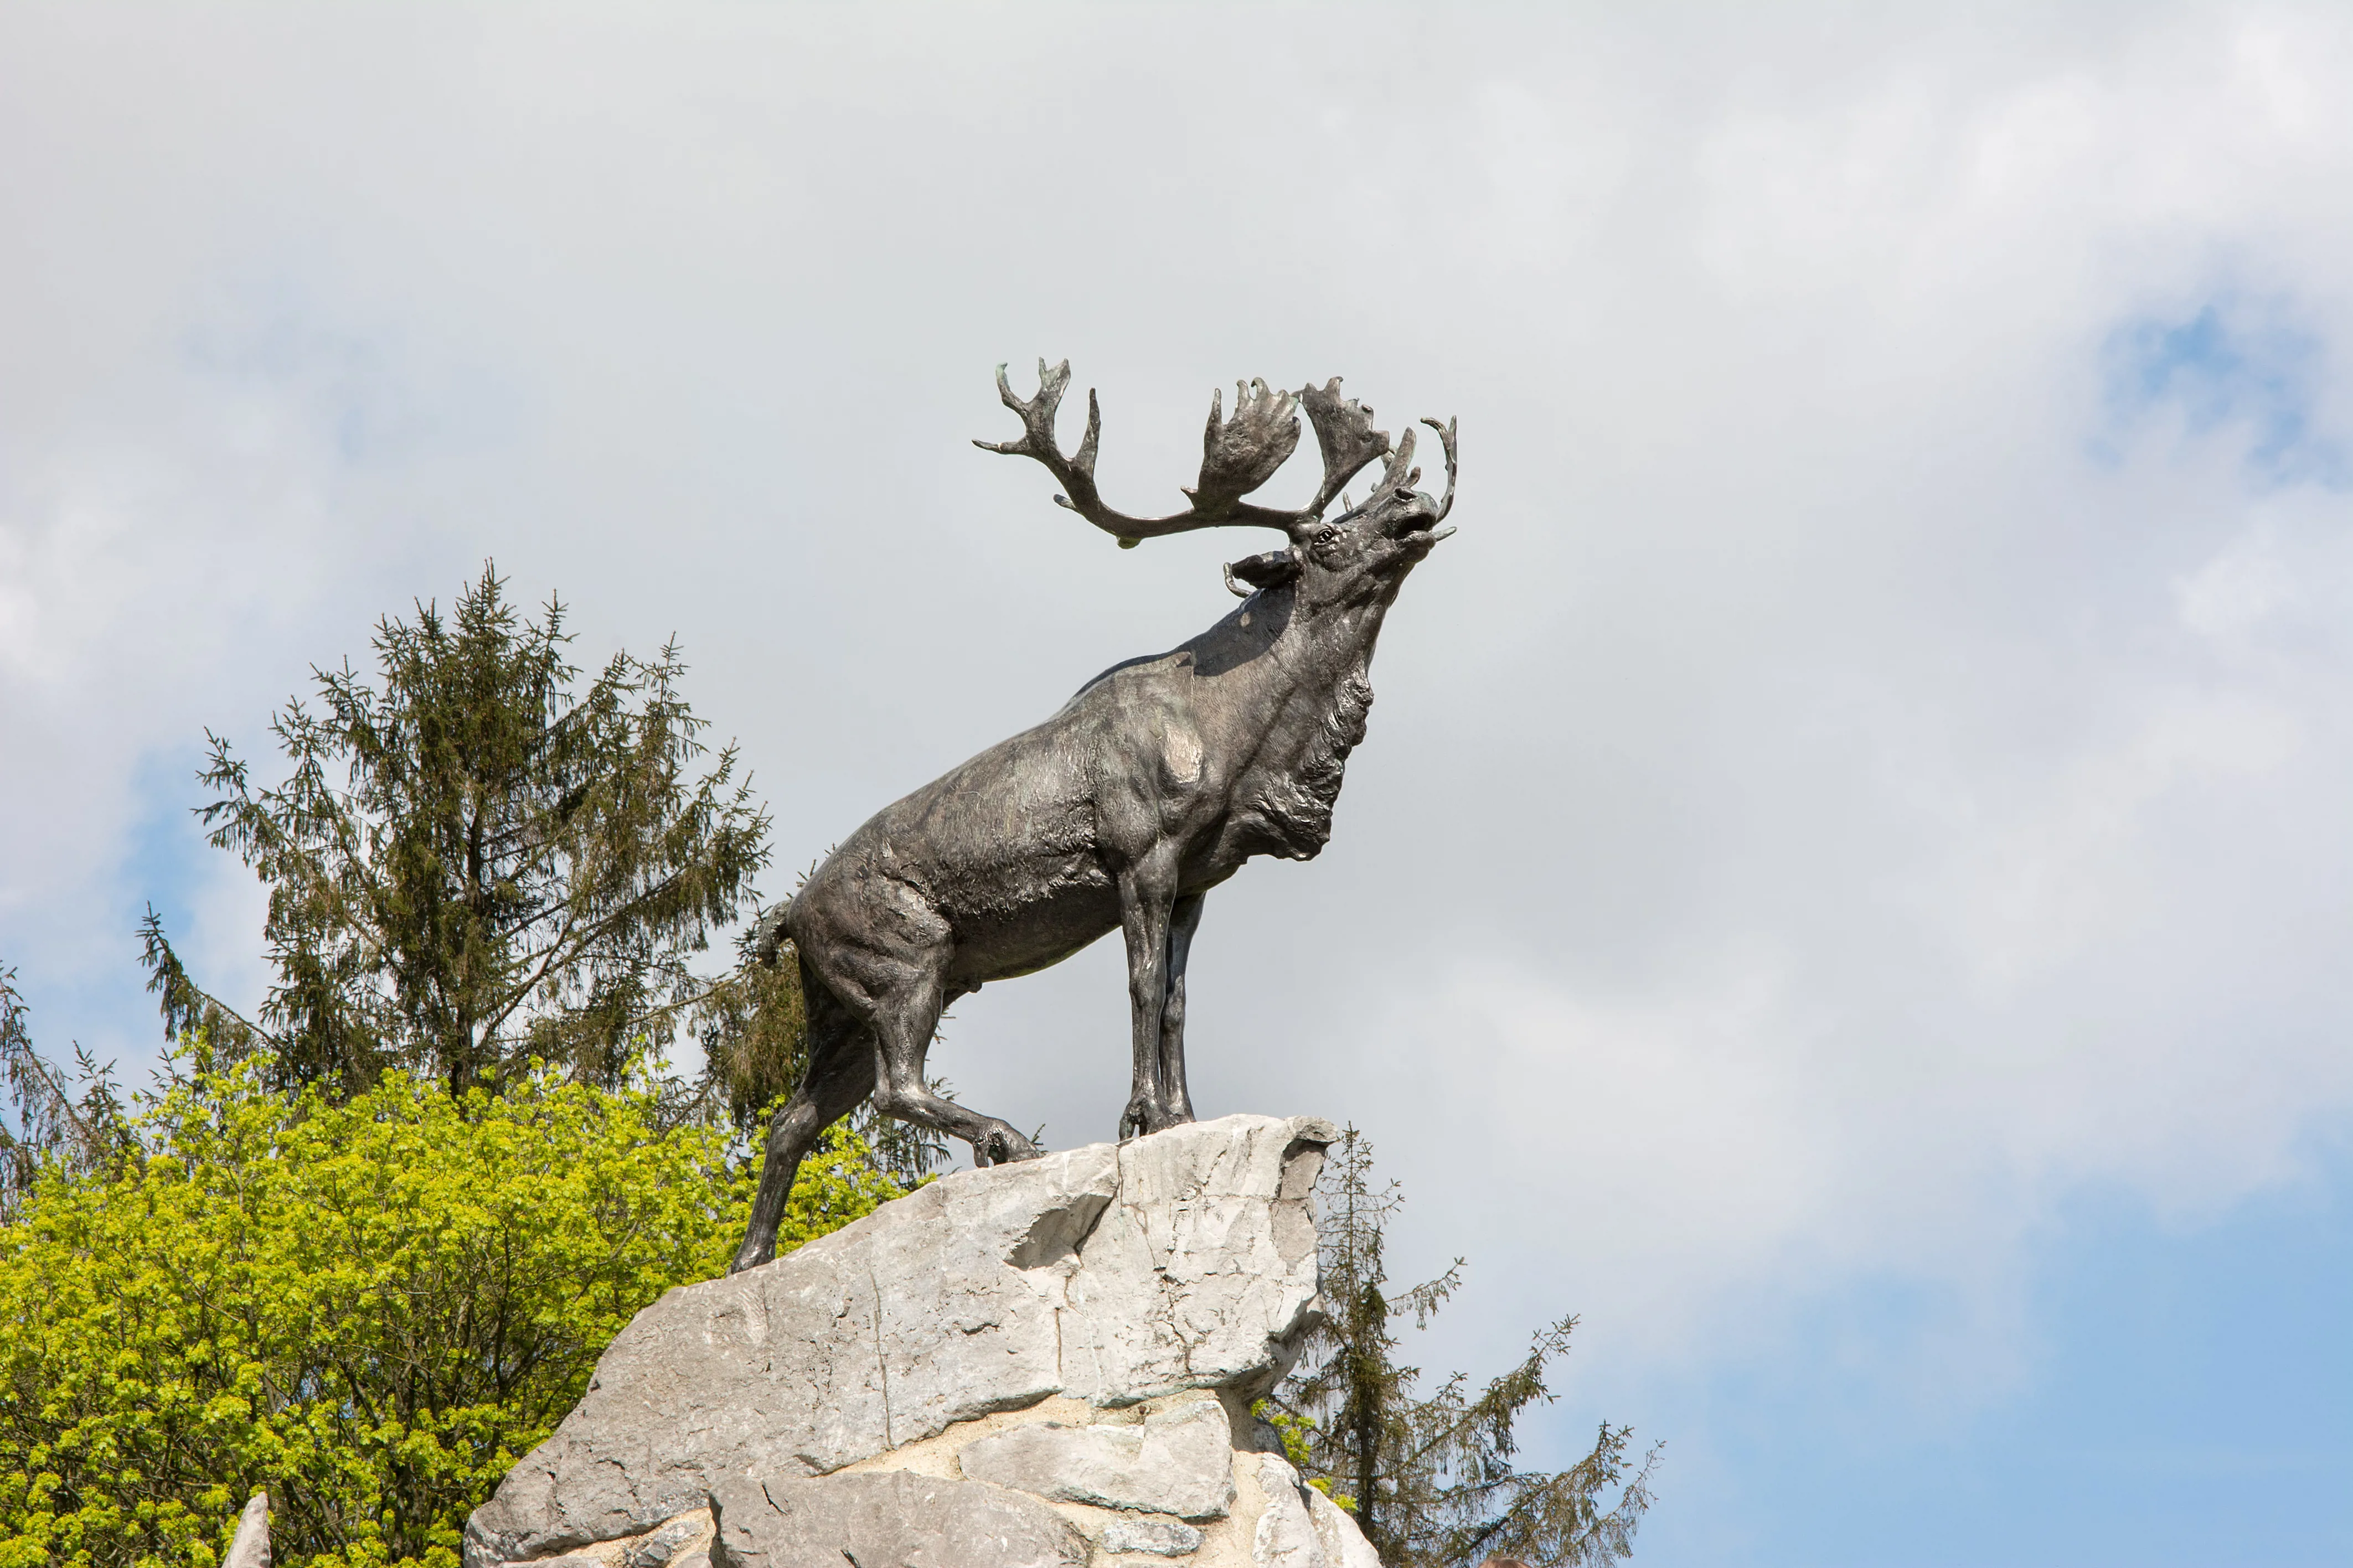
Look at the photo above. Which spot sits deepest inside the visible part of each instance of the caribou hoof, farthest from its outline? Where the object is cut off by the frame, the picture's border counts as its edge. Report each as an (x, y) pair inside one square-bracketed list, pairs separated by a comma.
[(1002, 1146), (1140, 1120)]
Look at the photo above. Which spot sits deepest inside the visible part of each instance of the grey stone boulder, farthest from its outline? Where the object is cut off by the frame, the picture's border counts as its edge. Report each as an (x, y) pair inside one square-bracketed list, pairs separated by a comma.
[(1286, 1535), (1179, 1461), (887, 1519), (1344, 1544), (249, 1547), (1110, 1276)]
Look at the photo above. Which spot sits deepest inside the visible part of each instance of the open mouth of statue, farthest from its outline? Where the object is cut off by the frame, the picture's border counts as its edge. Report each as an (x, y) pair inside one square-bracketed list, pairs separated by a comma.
[(1421, 527)]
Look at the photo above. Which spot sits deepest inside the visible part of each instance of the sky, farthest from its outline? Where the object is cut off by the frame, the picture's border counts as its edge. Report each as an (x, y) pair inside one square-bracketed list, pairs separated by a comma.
[(1847, 886)]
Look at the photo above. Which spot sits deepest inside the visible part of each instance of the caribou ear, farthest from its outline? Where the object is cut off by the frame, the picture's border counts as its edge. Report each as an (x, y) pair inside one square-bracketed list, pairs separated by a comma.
[(1261, 572)]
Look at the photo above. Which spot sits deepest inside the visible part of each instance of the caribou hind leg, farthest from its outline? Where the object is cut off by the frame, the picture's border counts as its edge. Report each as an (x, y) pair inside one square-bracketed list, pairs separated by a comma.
[(839, 1074), (885, 958), (904, 1021)]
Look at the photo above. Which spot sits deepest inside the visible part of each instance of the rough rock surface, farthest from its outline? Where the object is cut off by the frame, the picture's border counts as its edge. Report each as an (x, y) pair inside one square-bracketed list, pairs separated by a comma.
[(673, 1543), (1049, 1362)]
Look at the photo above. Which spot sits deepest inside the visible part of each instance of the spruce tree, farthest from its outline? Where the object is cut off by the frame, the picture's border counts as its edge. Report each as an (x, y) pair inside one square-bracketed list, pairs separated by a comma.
[(471, 864), (44, 1124), (1432, 1480)]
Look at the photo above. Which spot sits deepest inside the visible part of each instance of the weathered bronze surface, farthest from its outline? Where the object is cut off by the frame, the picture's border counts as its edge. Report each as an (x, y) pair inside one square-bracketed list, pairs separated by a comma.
[(1121, 812)]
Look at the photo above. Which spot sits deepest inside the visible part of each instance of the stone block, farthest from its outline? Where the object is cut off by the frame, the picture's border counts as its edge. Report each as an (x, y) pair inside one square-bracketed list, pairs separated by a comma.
[(1160, 1537), (1302, 1528), (1179, 1461), (887, 1519)]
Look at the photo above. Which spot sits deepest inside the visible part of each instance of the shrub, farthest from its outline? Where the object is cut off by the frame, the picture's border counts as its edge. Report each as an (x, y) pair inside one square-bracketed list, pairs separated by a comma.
[(372, 1308)]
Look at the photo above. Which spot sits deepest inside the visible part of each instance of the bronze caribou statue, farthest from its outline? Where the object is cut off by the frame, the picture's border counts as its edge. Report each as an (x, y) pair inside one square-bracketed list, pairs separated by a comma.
[(1121, 812)]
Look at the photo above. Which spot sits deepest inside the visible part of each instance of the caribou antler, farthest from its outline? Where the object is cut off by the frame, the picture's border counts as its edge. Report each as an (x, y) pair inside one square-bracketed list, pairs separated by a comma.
[(1239, 455), (1343, 428)]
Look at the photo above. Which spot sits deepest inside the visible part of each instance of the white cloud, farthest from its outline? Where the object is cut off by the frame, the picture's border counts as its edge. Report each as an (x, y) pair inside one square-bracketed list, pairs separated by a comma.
[(1865, 805), (2236, 592)]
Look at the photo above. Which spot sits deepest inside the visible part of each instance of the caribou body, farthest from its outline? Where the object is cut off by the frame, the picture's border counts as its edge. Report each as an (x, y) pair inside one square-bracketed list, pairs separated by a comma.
[(1150, 787)]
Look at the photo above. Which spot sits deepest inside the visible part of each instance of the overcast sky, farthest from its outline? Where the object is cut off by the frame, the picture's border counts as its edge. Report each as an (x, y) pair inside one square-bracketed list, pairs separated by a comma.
[(1849, 886)]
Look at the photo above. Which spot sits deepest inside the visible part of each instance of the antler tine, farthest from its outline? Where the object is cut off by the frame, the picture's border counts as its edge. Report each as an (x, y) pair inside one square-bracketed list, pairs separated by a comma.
[(1446, 438), (1400, 473), (1239, 455)]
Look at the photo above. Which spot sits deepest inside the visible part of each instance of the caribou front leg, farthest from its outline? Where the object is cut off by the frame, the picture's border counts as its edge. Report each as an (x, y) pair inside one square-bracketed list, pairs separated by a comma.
[(1147, 893), (1184, 919)]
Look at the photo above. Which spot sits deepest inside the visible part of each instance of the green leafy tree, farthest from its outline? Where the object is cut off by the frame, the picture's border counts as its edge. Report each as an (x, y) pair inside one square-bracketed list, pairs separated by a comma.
[(471, 864), (1432, 1480), (372, 1307), (365, 1248)]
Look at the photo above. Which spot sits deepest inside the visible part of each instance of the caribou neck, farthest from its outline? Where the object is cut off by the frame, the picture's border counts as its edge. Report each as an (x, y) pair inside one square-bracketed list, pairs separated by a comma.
[(1323, 648), (1305, 710)]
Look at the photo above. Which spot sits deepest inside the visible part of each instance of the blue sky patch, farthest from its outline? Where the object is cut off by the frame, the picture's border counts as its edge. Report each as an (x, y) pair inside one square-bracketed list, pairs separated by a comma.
[(2229, 369)]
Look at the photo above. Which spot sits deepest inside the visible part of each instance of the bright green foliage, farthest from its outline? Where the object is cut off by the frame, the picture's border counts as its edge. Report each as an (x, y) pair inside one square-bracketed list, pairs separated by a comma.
[(838, 1184), (1300, 1434), (373, 1309)]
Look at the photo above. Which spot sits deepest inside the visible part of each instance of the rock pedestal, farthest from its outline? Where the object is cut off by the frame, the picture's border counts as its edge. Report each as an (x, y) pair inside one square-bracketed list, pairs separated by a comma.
[(1043, 1365)]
